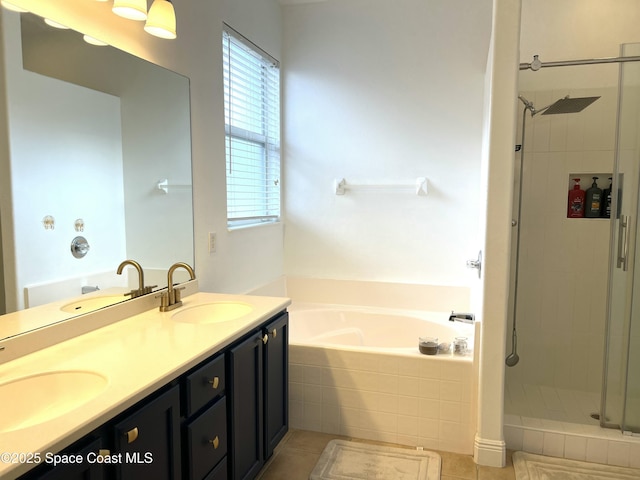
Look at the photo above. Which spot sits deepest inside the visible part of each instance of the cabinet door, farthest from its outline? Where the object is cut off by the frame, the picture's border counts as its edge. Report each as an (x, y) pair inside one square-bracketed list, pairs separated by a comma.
[(246, 429), (276, 382), (149, 440), (74, 471)]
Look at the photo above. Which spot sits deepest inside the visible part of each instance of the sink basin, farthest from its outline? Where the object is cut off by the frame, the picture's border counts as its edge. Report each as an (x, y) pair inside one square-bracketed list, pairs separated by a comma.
[(90, 304), (38, 398), (216, 312)]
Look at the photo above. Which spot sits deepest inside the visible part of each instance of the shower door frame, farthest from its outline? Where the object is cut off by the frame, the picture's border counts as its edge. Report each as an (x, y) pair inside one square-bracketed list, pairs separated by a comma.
[(622, 258), (630, 230)]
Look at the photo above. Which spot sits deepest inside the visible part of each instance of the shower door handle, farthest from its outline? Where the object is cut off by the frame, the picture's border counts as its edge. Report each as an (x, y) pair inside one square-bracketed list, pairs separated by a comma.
[(623, 242)]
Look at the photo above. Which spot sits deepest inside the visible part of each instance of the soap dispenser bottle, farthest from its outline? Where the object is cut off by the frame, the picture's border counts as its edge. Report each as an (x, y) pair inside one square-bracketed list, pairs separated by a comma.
[(575, 207), (593, 199), (605, 208)]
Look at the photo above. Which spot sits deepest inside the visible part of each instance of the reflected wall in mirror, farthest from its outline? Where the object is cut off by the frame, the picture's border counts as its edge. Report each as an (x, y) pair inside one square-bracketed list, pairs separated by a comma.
[(91, 131)]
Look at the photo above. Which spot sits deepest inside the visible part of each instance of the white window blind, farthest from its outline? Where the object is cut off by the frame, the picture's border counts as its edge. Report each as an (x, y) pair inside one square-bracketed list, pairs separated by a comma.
[(252, 124)]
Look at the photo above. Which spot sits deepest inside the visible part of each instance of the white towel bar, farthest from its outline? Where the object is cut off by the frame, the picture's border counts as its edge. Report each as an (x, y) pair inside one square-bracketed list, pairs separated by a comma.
[(419, 187), (163, 185)]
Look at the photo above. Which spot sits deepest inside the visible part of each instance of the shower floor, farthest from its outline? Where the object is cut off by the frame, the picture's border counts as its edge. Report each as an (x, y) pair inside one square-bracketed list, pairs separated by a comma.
[(559, 404)]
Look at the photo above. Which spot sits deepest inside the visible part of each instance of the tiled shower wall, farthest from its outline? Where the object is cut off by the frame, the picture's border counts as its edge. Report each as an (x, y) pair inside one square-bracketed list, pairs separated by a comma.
[(563, 263)]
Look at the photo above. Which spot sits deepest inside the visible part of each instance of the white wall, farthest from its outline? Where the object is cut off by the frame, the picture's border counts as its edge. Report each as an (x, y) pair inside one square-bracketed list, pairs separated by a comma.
[(243, 259), (384, 92), (497, 172)]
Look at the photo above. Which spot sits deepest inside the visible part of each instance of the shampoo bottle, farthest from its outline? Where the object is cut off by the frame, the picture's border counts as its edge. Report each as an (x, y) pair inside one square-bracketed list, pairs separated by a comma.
[(605, 208), (576, 201), (593, 199)]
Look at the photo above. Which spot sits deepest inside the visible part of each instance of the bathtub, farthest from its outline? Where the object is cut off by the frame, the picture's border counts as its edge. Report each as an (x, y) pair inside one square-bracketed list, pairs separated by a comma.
[(371, 328), (357, 371)]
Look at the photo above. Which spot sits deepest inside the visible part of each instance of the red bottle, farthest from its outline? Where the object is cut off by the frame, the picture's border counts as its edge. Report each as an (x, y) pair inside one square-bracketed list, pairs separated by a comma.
[(575, 207)]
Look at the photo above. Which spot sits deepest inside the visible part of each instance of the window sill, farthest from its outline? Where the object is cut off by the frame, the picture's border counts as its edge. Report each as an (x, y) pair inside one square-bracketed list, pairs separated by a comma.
[(254, 225)]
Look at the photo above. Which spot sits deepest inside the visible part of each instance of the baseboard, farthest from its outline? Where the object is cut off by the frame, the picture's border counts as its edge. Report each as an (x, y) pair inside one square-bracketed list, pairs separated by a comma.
[(491, 453)]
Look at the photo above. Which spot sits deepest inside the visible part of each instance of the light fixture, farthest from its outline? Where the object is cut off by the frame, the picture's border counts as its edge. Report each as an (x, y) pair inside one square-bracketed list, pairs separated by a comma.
[(161, 20), (53, 24), (12, 7), (131, 9), (94, 41)]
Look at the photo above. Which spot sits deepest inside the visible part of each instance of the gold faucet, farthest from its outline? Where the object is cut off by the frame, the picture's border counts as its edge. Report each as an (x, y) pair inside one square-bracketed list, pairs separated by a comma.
[(171, 298), (142, 290)]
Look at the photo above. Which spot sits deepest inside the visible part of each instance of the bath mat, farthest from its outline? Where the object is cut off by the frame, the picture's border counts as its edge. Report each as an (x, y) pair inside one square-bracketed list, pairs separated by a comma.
[(343, 460), (537, 467)]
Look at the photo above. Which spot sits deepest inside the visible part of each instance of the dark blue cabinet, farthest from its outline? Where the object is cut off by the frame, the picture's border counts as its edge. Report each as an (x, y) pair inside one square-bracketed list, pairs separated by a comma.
[(220, 420), (258, 373), (148, 440), (276, 382), (245, 375), (79, 471)]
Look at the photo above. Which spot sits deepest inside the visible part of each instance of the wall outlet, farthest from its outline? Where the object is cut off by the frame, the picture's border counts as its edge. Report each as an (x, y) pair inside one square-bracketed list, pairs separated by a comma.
[(212, 242)]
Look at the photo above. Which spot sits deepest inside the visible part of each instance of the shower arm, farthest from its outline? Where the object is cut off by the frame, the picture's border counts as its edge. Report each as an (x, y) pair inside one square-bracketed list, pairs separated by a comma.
[(534, 111)]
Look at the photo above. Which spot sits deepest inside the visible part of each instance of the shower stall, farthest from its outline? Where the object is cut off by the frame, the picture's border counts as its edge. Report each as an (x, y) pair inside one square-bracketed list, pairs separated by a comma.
[(573, 364)]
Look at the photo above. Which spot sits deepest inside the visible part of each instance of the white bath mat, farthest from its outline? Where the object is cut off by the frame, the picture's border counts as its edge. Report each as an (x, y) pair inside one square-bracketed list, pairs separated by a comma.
[(537, 467), (344, 460)]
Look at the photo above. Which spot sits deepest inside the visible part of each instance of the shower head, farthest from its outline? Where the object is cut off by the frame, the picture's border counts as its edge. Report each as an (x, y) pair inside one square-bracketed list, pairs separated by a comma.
[(564, 105), (569, 105)]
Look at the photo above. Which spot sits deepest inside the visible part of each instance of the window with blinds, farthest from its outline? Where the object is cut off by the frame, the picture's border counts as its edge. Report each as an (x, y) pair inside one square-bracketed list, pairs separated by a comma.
[(252, 124)]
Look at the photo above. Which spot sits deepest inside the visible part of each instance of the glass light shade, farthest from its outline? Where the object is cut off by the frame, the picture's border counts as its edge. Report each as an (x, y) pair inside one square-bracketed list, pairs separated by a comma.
[(12, 7), (161, 21), (94, 41), (53, 24), (131, 9)]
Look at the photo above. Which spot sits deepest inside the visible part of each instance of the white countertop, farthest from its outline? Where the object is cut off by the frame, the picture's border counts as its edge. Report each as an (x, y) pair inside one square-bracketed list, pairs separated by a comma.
[(136, 355), (22, 321)]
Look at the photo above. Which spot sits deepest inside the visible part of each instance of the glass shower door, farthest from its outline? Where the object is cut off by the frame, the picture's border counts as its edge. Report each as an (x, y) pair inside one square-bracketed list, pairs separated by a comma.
[(621, 386)]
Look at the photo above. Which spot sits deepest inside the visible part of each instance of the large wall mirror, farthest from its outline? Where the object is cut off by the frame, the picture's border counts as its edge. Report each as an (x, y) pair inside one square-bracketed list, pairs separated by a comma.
[(92, 131)]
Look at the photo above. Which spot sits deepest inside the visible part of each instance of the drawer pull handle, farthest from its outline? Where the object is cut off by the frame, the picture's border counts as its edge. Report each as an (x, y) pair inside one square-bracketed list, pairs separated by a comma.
[(103, 453), (215, 382), (274, 333), (132, 435), (215, 442), (265, 339)]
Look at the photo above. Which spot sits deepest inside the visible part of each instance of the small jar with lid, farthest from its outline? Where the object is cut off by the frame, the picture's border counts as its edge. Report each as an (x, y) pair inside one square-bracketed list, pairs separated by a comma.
[(460, 346)]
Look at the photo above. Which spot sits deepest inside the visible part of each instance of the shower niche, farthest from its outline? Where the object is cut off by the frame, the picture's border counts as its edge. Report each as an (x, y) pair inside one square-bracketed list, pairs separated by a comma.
[(589, 195)]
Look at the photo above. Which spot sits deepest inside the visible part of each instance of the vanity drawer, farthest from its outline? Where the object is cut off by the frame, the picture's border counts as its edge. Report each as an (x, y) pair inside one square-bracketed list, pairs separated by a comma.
[(220, 472), (205, 384), (207, 440)]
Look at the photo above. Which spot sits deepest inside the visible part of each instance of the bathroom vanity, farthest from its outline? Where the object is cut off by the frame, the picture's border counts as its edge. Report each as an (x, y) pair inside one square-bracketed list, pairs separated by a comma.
[(196, 393)]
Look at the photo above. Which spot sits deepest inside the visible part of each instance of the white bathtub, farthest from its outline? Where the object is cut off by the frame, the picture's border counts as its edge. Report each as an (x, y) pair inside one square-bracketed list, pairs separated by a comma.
[(371, 328), (358, 372)]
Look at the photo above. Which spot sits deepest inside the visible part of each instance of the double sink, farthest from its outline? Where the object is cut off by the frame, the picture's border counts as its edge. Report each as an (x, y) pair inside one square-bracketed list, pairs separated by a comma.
[(66, 390)]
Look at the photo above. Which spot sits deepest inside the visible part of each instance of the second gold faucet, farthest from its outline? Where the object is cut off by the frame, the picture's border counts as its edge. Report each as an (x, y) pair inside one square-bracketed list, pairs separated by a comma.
[(170, 299)]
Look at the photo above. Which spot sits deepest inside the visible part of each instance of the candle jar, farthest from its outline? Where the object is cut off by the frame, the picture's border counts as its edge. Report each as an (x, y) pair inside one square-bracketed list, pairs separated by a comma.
[(428, 345)]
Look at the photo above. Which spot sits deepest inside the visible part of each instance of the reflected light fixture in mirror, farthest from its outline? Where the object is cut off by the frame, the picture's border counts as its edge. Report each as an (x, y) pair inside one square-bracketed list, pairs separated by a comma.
[(161, 20), (94, 41), (12, 7), (131, 9), (53, 24)]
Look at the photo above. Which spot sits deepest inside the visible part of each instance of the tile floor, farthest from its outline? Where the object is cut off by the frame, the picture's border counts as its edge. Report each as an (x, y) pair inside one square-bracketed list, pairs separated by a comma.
[(559, 404), (299, 451)]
